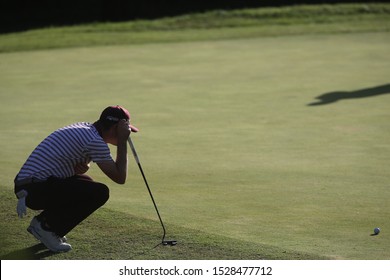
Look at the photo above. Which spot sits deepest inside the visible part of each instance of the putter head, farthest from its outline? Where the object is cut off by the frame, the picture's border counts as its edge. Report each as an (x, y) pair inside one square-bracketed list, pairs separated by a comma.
[(169, 242)]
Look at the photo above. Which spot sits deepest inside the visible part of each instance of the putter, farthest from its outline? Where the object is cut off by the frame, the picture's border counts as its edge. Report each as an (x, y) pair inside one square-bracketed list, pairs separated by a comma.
[(163, 242)]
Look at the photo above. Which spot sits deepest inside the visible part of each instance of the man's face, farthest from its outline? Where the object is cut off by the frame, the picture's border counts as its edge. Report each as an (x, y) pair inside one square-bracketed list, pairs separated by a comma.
[(119, 131)]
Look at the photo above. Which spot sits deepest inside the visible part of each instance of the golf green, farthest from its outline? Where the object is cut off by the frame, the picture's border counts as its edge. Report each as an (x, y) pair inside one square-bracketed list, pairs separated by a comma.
[(279, 141)]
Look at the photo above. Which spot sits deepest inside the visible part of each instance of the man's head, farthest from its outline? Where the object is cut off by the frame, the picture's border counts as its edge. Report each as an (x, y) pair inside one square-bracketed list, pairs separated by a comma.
[(112, 115), (111, 119)]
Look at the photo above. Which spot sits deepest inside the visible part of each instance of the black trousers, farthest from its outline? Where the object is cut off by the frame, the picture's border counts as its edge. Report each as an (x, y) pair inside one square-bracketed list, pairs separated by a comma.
[(65, 203)]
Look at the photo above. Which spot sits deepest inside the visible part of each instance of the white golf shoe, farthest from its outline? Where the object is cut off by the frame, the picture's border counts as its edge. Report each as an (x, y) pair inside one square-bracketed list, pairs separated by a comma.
[(52, 241), (34, 222)]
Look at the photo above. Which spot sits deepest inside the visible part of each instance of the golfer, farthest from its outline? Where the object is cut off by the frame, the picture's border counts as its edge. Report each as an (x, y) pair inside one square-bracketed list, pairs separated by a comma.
[(53, 178)]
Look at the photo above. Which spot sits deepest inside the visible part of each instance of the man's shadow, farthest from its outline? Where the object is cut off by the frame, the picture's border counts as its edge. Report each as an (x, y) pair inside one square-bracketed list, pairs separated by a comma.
[(332, 97), (35, 252)]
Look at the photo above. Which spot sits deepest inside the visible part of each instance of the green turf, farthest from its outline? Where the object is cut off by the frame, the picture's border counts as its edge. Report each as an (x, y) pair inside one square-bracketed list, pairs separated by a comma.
[(214, 25), (115, 235), (230, 141)]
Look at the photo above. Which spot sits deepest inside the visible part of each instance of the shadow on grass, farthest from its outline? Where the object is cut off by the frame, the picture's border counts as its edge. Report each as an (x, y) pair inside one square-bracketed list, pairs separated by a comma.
[(35, 252), (332, 97)]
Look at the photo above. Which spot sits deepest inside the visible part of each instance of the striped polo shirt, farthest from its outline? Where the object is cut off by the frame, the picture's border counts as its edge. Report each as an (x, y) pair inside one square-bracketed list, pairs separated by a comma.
[(58, 154)]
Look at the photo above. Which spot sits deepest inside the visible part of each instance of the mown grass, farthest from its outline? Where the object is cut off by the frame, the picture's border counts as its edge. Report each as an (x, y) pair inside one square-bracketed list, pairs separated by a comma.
[(109, 234), (215, 25), (228, 142), (240, 165)]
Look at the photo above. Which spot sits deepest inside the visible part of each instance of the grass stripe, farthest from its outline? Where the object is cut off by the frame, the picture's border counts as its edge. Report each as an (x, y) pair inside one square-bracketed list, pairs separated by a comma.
[(216, 25)]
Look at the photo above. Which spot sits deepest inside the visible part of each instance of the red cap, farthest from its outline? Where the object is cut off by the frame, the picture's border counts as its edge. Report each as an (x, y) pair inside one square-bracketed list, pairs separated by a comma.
[(115, 114)]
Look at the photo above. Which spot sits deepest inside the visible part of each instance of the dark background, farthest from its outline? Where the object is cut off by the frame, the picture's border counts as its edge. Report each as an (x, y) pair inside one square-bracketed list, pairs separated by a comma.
[(19, 15)]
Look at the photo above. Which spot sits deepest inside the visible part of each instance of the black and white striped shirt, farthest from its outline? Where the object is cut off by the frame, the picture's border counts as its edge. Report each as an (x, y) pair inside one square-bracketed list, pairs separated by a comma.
[(58, 154)]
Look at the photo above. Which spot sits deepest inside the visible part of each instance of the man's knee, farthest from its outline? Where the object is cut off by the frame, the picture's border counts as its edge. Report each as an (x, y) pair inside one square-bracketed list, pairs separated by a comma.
[(102, 193)]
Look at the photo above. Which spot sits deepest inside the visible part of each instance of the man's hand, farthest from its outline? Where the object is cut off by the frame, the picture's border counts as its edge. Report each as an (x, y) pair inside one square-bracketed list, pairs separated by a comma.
[(21, 208), (123, 130)]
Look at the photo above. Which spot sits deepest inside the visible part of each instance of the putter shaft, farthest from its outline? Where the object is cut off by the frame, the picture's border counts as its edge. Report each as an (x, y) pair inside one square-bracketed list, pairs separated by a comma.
[(147, 186)]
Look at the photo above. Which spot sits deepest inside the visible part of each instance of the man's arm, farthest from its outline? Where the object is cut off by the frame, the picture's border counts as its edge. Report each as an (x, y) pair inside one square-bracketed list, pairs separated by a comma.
[(117, 170)]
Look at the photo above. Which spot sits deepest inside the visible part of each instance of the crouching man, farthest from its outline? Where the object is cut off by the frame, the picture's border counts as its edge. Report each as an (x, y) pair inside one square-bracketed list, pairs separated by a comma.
[(53, 178)]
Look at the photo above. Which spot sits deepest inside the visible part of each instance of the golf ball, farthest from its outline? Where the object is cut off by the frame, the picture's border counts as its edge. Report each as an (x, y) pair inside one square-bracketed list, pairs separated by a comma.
[(377, 230)]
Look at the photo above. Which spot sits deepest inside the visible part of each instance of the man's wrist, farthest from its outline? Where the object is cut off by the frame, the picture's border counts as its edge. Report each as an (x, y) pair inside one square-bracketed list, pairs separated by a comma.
[(21, 194)]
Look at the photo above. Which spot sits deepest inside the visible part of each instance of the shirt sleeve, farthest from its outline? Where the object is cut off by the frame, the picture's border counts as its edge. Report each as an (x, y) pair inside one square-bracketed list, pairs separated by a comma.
[(98, 151)]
